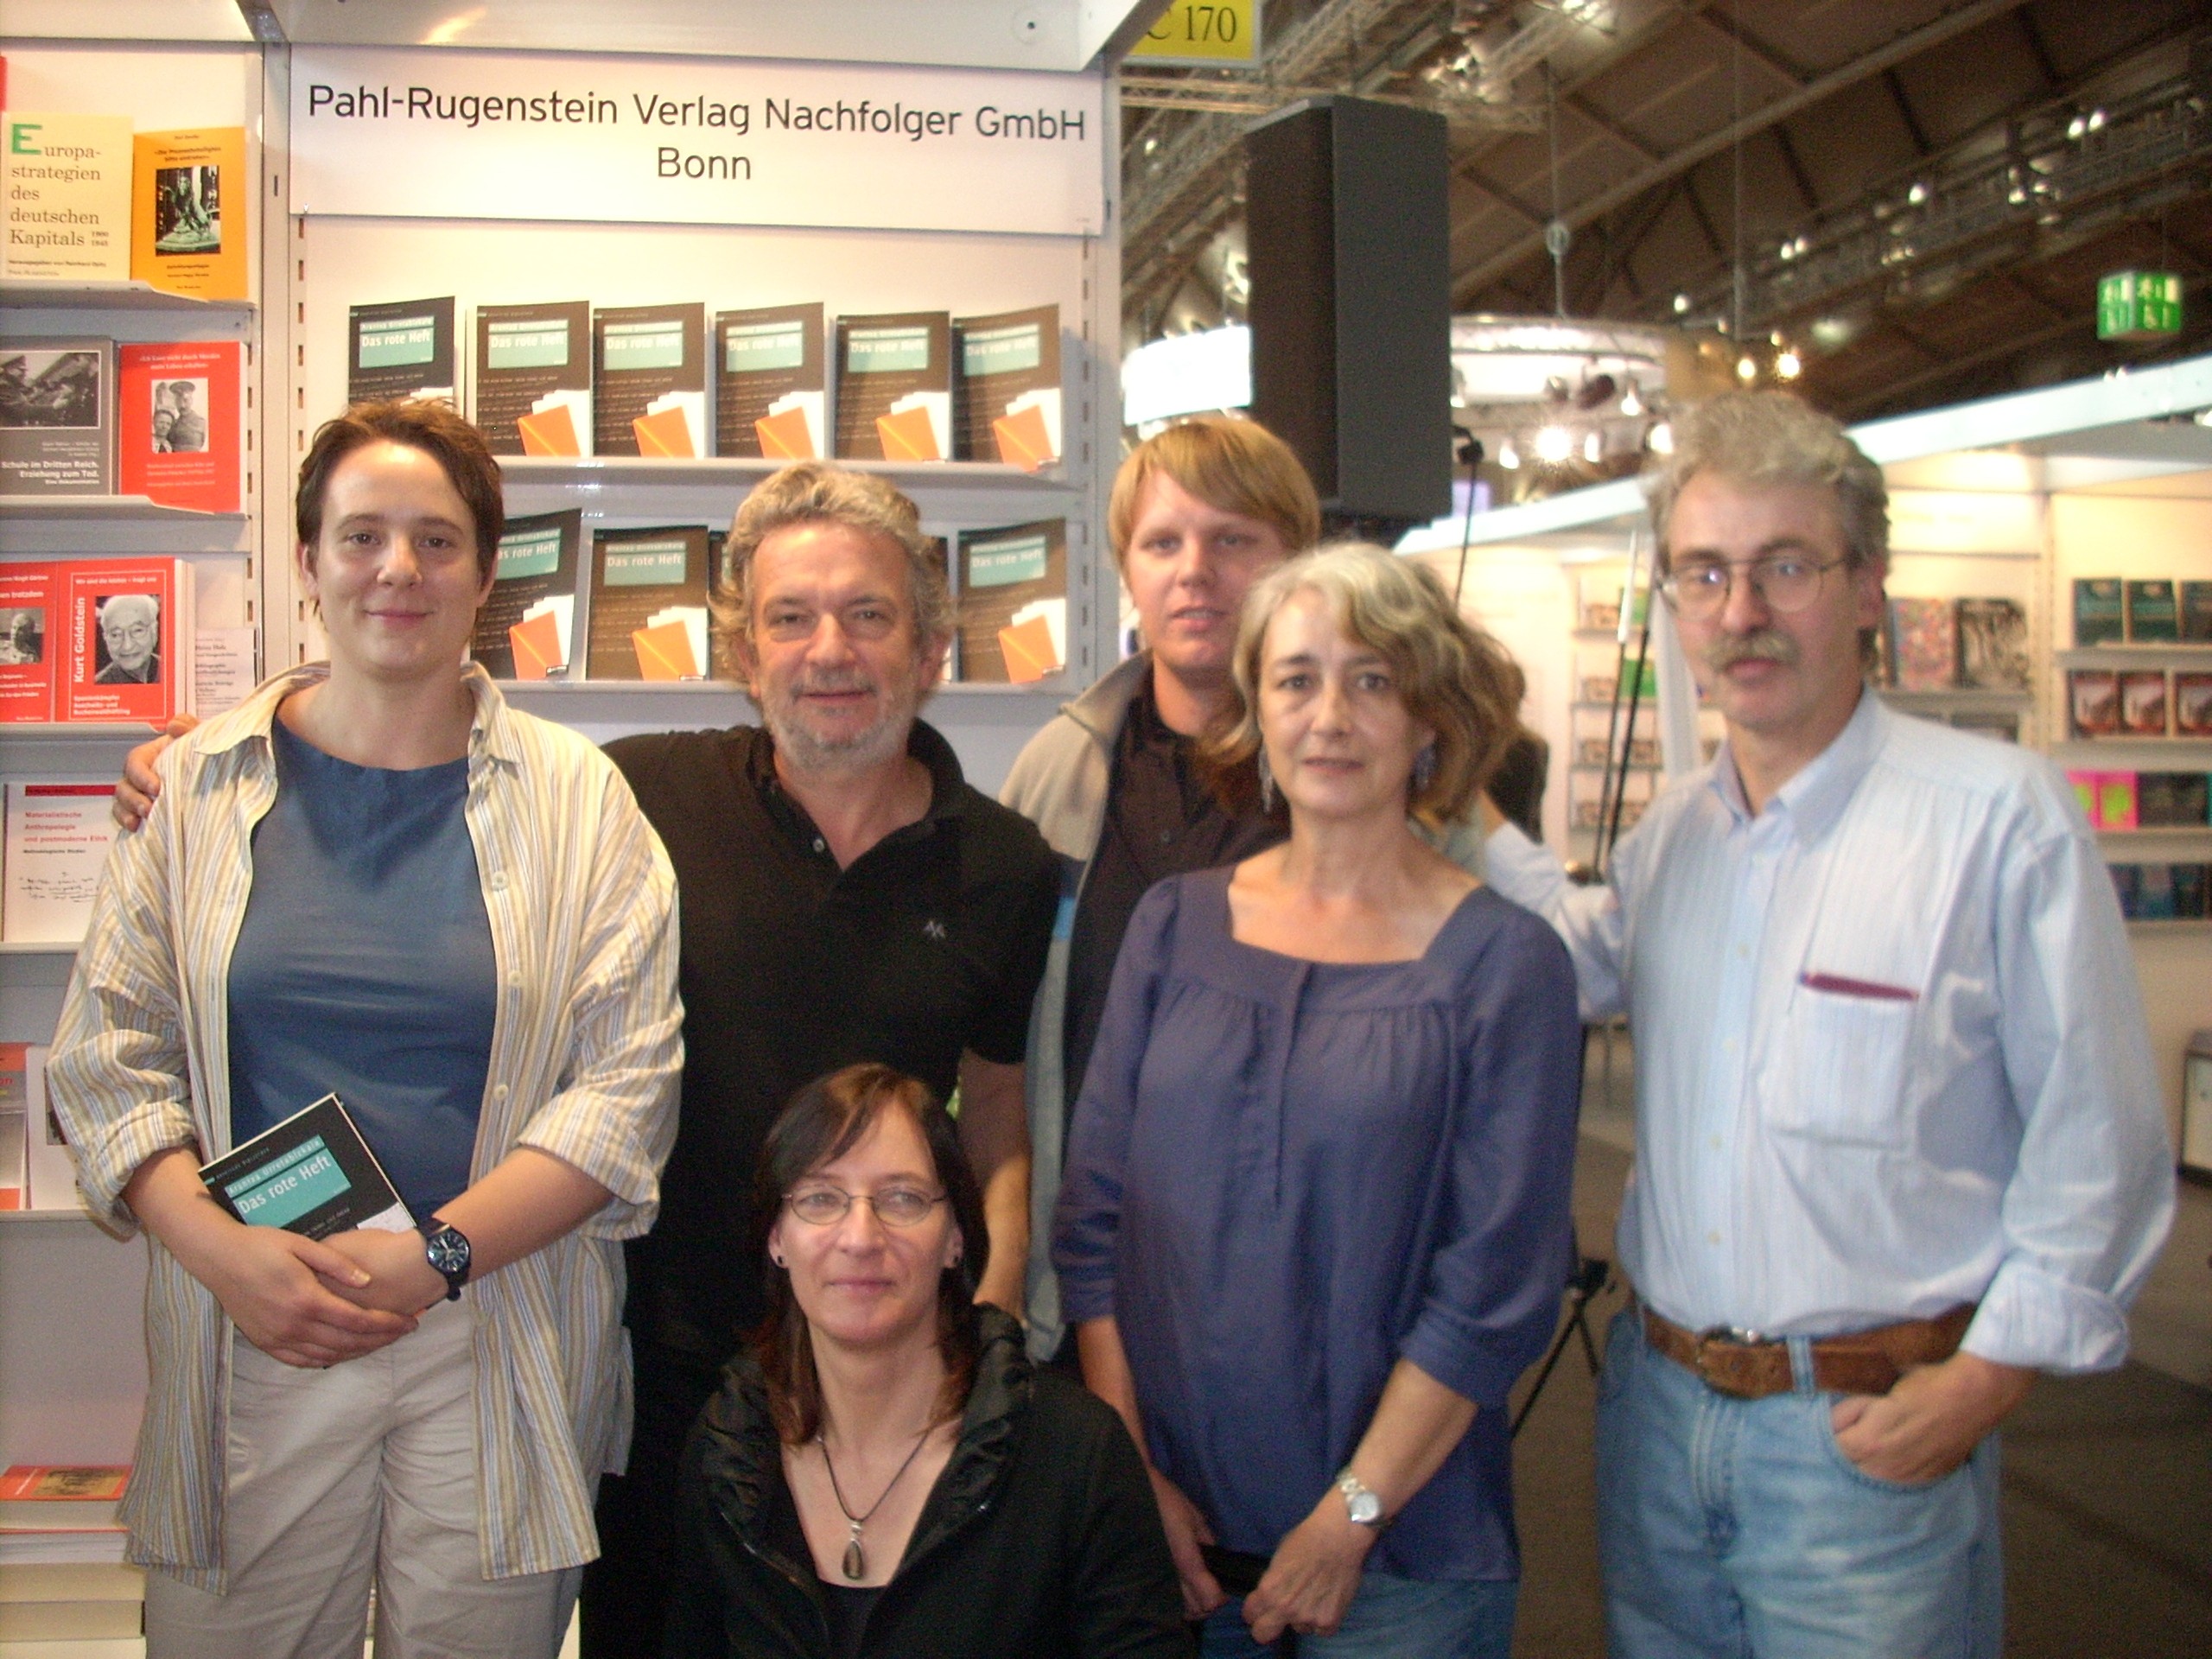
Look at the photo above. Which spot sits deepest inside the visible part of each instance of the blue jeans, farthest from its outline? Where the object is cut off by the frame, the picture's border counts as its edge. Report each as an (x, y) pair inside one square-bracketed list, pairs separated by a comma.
[(1729, 1529), (1391, 1619)]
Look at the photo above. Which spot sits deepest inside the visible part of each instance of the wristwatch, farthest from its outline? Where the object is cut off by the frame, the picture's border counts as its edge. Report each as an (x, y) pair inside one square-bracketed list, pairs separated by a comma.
[(448, 1250), (1362, 1501)]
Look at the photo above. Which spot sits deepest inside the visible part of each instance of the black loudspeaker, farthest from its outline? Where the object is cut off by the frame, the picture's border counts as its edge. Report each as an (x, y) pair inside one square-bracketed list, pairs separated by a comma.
[(1349, 241)]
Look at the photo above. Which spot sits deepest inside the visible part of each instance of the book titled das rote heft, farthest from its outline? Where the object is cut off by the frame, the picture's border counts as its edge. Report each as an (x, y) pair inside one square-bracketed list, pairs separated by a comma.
[(312, 1174)]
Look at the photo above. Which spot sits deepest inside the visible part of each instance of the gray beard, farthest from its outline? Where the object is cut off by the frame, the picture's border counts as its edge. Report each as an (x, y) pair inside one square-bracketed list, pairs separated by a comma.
[(884, 740)]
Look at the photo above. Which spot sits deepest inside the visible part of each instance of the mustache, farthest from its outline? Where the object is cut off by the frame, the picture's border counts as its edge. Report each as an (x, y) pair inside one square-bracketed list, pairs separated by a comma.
[(817, 684), (1765, 645)]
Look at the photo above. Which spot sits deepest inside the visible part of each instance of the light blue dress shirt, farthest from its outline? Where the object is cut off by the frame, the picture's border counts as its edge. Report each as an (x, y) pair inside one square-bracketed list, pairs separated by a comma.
[(1890, 1054)]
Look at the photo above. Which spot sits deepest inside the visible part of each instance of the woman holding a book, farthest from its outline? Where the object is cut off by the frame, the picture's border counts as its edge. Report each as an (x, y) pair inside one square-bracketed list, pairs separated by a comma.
[(374, 880)]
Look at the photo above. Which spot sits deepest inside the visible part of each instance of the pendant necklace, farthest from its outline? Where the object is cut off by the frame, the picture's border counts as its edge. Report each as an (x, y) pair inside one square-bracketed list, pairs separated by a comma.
[(854, 1565)]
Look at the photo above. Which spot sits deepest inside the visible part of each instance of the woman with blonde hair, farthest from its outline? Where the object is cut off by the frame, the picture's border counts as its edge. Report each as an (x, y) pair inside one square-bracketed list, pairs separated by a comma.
[(1315, 1219)]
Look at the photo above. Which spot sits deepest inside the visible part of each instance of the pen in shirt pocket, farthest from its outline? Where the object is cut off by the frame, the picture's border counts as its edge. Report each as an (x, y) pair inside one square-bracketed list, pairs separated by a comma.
[(1838, 985)]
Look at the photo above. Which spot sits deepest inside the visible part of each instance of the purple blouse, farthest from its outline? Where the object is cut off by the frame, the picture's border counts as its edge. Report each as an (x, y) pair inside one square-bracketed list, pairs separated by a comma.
[(1284, 1176)]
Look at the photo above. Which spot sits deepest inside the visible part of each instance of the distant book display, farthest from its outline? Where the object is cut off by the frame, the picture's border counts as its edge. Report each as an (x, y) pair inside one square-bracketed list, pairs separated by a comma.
[(1008, 388), (1951, 645), (2139, 703), (2145, 611)]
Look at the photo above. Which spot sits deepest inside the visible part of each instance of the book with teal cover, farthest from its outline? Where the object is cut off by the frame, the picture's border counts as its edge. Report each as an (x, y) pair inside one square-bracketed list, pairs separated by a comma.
[(311, 1174), (2152, 617), (2099, 611)]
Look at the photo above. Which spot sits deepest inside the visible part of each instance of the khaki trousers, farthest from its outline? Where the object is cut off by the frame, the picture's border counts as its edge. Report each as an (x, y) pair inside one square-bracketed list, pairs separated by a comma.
[(364, 1474)]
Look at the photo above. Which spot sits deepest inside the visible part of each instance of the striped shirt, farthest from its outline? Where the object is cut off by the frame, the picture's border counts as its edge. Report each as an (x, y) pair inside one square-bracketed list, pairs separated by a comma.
[(586, 1050), (1890, 1053)]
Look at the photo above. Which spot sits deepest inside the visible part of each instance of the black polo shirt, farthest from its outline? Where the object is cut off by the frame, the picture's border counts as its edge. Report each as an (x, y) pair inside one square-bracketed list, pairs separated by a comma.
[(1162, 819), (932, 943)]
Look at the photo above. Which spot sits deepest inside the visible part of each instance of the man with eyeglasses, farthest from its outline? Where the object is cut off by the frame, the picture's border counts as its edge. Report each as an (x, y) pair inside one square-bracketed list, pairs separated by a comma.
[(1900, 1144)]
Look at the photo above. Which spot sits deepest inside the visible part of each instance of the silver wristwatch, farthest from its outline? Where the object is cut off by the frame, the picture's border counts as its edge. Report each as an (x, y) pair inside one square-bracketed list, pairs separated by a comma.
[(1362, 1501)]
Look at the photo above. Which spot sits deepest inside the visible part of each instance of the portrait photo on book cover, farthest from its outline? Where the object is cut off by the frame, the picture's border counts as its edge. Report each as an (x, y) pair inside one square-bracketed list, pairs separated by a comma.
[(128, 651), (48, 389), (22, 634), (188, 210), (180, 414)]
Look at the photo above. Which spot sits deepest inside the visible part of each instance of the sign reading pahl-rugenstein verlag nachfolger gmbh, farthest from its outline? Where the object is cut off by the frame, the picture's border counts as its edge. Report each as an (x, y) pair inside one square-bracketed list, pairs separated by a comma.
[(454, 134)]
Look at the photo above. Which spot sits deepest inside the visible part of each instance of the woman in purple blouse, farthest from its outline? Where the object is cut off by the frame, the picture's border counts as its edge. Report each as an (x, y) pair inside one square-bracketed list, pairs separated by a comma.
[(1315, 1217)]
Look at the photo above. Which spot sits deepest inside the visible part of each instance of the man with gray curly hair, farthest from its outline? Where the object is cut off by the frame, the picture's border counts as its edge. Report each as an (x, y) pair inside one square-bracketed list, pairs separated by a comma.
[(1900, 1143)]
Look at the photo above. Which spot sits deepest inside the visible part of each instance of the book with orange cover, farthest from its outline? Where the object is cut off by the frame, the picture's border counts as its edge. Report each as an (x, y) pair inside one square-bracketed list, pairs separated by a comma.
[(1006, 397), (189, 200), (177, 423), (61, 1497), (649, 380), (525, 628), (771, 393), (532, 384), (1012, 607), (643, 582), (894, 386)]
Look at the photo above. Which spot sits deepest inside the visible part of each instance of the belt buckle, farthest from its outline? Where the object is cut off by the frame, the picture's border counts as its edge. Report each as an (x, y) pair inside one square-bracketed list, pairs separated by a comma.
[(1719, 1335)]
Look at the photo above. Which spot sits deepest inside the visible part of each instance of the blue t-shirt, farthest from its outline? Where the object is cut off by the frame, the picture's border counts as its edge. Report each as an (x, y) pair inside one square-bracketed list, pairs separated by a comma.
[(364, 965)]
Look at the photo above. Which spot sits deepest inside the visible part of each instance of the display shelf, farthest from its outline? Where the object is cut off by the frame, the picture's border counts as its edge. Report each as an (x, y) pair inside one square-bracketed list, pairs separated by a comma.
[(38, 948), (19, 294), (61, 735), (2168, 925), (49, 1218), (2187, 653), (1956, 696), (2133, 753), (620, 471), (2180, 843), (106, 508), (1596, 765)]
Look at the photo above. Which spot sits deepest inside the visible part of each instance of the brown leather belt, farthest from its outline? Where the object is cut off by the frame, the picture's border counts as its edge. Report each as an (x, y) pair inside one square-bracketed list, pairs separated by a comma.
[(1750, 1367)]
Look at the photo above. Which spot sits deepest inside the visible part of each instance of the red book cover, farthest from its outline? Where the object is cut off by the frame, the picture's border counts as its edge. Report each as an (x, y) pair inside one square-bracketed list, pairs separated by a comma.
[(2143, 702), (2192, 703), (124, 649), (31, 638), (177, 423)]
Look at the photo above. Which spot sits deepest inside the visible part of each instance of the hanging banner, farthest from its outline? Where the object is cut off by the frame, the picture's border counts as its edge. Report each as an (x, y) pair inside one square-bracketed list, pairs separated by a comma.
[(451, 133)]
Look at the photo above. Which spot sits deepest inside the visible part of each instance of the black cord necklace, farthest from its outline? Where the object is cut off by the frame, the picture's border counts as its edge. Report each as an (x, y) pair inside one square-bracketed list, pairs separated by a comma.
[(854, 1565)]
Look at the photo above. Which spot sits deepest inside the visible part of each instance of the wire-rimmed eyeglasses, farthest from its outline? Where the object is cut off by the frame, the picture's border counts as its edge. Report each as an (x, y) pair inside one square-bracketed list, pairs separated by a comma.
[(894, 1207), (1787, 582)]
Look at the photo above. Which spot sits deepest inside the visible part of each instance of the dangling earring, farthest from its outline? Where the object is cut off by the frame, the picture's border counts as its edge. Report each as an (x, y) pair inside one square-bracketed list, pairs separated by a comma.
[(1267, 783), (1424, 769)]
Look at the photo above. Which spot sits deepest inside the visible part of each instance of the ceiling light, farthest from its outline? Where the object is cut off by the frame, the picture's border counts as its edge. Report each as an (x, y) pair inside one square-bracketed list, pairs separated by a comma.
[(1681, 304), (1593, 447), (1917, 194), (2076, 127), (1746, 371), (1508, 457), (1660, 439), (1631, 404), (1553, 445), (2096, 120), (1787, 365)]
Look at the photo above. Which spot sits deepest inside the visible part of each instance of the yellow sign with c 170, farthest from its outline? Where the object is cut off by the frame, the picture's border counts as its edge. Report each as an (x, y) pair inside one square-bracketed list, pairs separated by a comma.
[(1219, 32)]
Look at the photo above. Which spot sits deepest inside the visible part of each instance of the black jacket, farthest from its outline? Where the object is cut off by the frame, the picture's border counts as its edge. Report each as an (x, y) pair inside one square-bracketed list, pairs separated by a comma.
[(1040, 1537)]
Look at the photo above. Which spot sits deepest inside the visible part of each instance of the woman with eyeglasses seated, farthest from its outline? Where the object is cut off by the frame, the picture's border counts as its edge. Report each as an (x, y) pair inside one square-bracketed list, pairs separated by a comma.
[(1315, 1217), (884, 1473)]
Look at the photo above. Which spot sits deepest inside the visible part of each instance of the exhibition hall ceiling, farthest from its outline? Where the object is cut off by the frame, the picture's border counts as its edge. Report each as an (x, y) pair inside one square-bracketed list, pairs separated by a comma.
[(1913, 198)]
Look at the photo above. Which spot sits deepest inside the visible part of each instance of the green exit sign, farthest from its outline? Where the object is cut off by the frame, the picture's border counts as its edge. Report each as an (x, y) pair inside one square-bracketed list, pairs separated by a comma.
[(2139, 305)]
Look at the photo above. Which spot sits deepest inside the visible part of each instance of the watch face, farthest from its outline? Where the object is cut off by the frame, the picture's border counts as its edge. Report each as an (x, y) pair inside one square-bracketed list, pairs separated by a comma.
[(448, 1250), (1366, 1508)]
